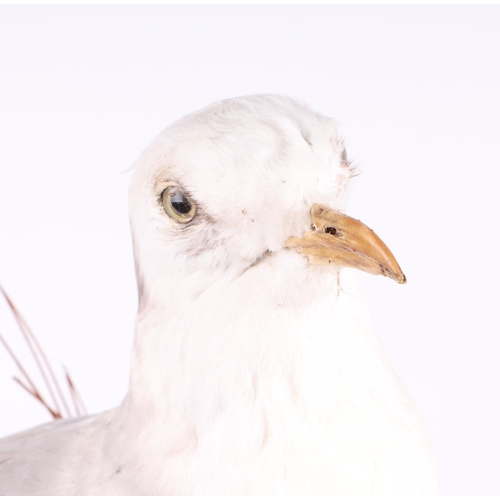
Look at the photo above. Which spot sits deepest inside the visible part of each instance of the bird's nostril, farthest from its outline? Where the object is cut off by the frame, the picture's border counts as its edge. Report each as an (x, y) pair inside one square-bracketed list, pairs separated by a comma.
[(330, 230)]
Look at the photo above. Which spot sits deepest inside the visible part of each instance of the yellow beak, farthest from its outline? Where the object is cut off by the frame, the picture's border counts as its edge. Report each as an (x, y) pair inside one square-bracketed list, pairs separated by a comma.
[(341, 240)]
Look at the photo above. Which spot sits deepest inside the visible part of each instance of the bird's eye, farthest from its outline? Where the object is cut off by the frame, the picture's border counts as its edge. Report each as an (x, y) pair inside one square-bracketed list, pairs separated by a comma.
[(178, 205)]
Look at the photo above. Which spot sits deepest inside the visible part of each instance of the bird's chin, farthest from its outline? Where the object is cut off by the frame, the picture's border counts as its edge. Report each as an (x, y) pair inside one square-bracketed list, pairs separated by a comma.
[(287, 262), (285, 279)]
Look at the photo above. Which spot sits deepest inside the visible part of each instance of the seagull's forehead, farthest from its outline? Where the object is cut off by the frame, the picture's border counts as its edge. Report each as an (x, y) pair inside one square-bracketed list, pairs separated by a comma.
[(230, 151)]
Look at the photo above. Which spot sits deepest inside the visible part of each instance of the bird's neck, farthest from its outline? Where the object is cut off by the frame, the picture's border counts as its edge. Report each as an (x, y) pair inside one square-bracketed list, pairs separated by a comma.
[(254, 369), (193, 359)]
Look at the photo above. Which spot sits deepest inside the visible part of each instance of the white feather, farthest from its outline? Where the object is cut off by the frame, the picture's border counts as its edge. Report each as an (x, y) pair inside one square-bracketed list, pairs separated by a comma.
[(252, 371)]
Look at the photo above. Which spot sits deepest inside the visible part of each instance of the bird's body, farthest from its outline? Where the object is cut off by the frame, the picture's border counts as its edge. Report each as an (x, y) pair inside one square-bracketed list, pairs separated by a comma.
[(253, 371)]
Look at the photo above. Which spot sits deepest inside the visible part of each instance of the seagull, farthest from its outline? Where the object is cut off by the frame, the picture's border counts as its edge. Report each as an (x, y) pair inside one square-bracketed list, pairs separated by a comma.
[(254, 368)]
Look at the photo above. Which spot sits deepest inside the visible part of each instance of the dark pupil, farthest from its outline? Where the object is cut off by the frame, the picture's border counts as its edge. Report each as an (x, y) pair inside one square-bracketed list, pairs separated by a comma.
[(179, 202)]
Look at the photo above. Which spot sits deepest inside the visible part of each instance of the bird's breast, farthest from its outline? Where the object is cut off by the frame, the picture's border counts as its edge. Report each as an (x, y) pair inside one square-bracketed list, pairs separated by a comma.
[(274, 399)]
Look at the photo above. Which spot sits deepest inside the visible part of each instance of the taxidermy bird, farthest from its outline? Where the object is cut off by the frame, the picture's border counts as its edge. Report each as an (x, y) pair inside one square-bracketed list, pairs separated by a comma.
[(254, 367)]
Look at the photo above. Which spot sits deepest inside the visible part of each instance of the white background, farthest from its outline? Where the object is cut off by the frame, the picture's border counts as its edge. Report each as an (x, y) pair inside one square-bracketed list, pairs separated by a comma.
[(83, 90)]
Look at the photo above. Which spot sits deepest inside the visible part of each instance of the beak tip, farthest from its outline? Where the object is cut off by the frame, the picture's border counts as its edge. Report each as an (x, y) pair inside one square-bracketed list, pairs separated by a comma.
[(395, 274)]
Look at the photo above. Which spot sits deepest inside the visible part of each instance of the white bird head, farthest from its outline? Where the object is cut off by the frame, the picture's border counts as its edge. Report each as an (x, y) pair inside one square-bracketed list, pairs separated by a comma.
[(238, 182)]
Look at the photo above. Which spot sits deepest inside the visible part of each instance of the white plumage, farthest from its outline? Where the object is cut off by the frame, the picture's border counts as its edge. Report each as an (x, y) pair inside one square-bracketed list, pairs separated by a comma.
[(254, 369)]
